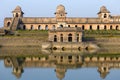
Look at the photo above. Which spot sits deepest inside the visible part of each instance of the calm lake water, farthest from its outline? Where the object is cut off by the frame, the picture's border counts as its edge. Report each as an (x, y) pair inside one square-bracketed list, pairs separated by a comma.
[(17, 65)]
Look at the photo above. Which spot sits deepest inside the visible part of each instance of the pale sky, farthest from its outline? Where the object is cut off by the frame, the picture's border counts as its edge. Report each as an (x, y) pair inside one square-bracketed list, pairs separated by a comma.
[(46, 8)]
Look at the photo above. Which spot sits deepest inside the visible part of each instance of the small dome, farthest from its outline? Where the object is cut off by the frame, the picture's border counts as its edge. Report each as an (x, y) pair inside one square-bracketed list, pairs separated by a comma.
[(60, 8), (103, 9), (60, 75), (18, 9)]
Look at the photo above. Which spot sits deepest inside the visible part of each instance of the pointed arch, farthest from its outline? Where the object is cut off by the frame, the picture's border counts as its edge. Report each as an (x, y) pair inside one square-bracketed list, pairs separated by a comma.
[(117, 27), (105, 27), (98, 27), (46, 27), (83, 27), (70, 37), (16, 15), (61, 37), (31, 27), (39, 27), (105, 15), (111, 27), (8, 24), (24, 27), (55, 38)]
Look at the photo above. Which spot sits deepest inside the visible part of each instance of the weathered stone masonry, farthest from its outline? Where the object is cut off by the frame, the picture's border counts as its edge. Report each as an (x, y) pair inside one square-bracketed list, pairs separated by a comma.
[(104, 21)]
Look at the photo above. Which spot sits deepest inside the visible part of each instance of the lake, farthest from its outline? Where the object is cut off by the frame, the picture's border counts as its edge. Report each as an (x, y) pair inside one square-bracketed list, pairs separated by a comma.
[(35, 64)]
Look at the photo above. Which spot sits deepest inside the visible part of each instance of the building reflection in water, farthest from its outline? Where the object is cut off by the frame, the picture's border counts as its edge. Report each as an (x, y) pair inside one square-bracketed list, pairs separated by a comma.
[(61, 62)]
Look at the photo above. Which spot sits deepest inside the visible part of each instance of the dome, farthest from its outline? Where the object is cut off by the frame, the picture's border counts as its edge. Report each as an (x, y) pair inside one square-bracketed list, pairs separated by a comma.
[(103, 9), (60, 8), (18, 9)]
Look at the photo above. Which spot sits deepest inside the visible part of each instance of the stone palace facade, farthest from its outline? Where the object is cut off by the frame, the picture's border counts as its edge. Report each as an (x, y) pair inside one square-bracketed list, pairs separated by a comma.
[(104, 21)]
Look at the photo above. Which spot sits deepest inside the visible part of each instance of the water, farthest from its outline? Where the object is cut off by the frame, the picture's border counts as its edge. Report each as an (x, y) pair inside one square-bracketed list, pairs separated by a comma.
[(57, 66), (50, 74)]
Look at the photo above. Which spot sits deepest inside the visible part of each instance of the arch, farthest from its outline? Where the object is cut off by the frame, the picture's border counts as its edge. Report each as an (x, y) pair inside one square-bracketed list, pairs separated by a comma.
[(46, 27), (77, 37), (61, 25), (70, 58), (98, 27), (63, 48), (70, 37), (111, 27), (61, 37), (61, 58), (90, 27), (76, 26), (24, 27), (77, 57), (117, 27), (83, 27), (53, 27), (8, 24), (55, 38), (105, 15), (68, 25), (39, 27), (31, 27), (16, 14), (105, 27)]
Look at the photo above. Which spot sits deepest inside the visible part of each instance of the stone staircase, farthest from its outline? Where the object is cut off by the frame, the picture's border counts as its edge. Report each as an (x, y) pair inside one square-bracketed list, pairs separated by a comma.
[(14, 24)]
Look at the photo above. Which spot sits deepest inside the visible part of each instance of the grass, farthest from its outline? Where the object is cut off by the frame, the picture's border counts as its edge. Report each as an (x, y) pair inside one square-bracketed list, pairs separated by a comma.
[(103, 55), (102, 33), (87, 33)]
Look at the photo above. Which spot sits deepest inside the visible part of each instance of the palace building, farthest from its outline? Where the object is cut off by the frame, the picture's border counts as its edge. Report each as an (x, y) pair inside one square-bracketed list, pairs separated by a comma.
[(104, 21), (66, 34)]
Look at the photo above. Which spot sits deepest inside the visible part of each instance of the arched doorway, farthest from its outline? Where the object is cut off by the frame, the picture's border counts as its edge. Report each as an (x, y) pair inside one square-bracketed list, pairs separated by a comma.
[(111, 27), (105, 27), (16, 14), (77, 37), (117, 27), (98, 27), (24, 27), (70, 37), (75, 25), (61, 37), (55, 38), (39, 27), (68, 25), (61, 25), (90, 27), (46, 27), (8, 24), (83, 27), (32, 27), (105, 15)]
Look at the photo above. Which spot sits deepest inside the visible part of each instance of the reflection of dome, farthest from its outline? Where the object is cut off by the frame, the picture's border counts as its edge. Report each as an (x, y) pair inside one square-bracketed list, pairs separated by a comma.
[(18, 75), (103, 75), (60, 8), (60, 73), (18, 72), (103, 9), (104, 71)]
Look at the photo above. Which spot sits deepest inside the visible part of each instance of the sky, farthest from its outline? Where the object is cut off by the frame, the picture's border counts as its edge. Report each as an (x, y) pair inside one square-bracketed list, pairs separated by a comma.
[(47, 8)]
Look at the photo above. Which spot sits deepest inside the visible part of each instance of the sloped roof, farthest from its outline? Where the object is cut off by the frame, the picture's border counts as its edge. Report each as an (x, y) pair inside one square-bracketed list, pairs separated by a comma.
[(103, 9), (18, 9)]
